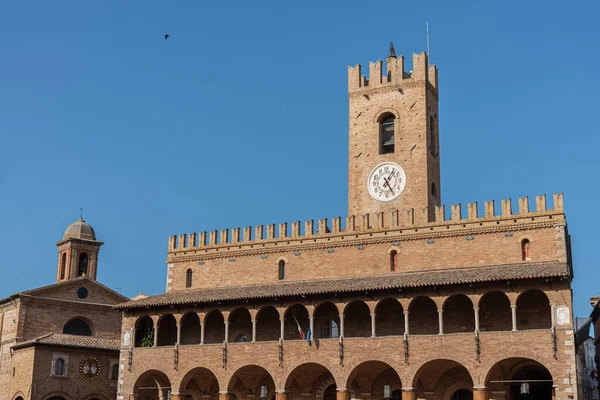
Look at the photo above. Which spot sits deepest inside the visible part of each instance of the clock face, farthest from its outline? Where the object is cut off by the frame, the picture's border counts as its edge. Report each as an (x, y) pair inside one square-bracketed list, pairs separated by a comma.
[(386, 181)]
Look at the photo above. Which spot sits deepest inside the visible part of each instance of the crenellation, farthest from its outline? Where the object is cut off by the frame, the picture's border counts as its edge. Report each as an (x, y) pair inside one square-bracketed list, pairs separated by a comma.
[(377, 221), (506, 207), (540, 203), (375, 73), (524, 205), (455, 212), (472, 211), (420, 66)]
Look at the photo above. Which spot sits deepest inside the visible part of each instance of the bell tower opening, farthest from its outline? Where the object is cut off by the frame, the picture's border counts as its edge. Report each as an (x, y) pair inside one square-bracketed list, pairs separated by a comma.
[(393, 157), (78, 252)]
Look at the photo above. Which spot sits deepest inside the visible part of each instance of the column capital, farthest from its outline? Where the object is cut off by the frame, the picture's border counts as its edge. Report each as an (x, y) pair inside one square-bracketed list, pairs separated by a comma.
[(341, 390), (479, 388), (408, 389), (513, 306), (406, 312), (440, 311), (281, 391), (475, 308), (223, 392)]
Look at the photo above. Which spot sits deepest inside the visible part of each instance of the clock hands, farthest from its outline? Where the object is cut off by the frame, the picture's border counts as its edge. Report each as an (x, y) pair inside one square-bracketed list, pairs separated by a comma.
[(387, 182)]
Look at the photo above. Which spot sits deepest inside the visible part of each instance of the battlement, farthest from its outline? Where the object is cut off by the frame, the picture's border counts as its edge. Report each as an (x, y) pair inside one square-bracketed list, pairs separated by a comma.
[(361, 223), (395, 74)]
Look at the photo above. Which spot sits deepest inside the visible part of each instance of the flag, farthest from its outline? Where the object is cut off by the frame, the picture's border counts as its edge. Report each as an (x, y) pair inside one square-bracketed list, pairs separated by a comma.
[(309, 337), (300, 331)]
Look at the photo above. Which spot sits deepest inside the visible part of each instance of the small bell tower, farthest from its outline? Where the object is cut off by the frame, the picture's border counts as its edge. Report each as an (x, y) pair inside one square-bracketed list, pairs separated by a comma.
[(393, 157), (78, 252)]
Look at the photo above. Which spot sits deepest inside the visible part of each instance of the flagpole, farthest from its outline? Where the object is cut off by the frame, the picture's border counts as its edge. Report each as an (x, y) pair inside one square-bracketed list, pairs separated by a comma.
[(427, 28)]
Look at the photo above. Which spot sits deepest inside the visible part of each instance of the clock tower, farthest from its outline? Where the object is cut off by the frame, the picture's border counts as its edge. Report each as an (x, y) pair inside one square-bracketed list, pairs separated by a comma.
[(393, 157)]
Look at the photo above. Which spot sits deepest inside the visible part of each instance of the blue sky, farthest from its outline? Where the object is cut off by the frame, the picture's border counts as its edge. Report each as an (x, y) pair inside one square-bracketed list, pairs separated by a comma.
[(98, 111)]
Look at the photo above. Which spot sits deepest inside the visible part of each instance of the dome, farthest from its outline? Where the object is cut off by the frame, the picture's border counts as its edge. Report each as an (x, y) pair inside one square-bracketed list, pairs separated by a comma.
[(80, 230)]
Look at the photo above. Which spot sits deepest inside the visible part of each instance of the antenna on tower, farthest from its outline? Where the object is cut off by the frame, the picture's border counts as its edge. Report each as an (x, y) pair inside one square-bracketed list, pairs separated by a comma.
[(427, 28)]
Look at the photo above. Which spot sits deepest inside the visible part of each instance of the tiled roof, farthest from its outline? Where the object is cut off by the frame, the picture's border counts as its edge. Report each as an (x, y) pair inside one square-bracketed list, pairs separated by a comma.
[(353, 284), (81, 342)]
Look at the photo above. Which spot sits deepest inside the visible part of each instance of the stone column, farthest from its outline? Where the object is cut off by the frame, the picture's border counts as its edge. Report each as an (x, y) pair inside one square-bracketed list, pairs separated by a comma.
[(226, 331), (282, 395), (342, 325), (224, 395), (178, 334), (202, 333), (176, 396), (409, 394), (480, 393), (282, 327), (373, 325), (406, 322), (514, 318), (552, 314), (441, 321), (342, 394), (253, 330), (311, 326), (476, 310), (155, 333)]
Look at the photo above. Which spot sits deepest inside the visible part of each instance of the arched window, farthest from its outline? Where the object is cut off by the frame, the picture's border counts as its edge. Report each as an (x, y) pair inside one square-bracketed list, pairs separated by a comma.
[(432, 139), (386, 135), (525, 250), (433, 190), (393, 260), (114, 374), (77, 327), (330, 329), (281, 274), (82, 269), (63, 266), (188, 278), (59, 367)]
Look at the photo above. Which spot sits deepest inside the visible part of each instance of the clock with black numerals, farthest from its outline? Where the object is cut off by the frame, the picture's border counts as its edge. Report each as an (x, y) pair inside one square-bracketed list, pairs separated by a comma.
[(386, 181)]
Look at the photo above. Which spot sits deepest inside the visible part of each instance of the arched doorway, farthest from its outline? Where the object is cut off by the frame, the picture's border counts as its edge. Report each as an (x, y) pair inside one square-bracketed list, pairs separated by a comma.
[(252, 381), (520, 379), (442, 379), (374, 377), (311, 380), (152, 385), (199, 382)]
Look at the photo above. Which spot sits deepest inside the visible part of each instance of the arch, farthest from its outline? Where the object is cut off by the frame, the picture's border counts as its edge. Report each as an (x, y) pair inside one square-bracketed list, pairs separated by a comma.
[(18, 396), (458, 314), (281, 270), (57, 395), (240, 325), (214, 327), (357, 319), (383, 113), (188, 278), (533, 310), (268, 326), (389, 318), (423, 316), (144, 332), (152, 385), (371, 376), (326, 321), (190, 329), (440, 377), (95, 396), (294, 316), (82, 265), (250, 380), (525, 250), (309, 375), (79, 326), (520, 369), (59, 367), (167, 330), (387, 124), (494, 312), (199, 381), (63, 265)]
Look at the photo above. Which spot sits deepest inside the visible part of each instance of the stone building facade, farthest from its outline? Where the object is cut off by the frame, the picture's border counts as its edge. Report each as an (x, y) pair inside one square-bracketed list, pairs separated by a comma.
[(61, 341), (404, 298)]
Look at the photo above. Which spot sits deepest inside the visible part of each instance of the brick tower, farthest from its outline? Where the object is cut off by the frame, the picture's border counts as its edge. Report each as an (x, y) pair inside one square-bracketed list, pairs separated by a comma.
[(78, 252), (394, 161)]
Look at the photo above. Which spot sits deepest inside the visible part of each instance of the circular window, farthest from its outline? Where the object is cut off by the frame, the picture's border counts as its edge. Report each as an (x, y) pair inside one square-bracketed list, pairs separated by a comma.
[(82, 293)]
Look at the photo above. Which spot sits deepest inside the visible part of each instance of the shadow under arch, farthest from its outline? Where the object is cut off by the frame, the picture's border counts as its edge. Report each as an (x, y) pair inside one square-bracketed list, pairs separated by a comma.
[(311, 375), (199, 381), (371, 377), (438, 376), (56, 396), (251, 380), (509, 373), (152, 385)]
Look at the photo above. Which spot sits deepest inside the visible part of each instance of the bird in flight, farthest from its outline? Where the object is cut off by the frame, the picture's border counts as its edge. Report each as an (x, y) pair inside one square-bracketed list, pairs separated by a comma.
[(166, 37)]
